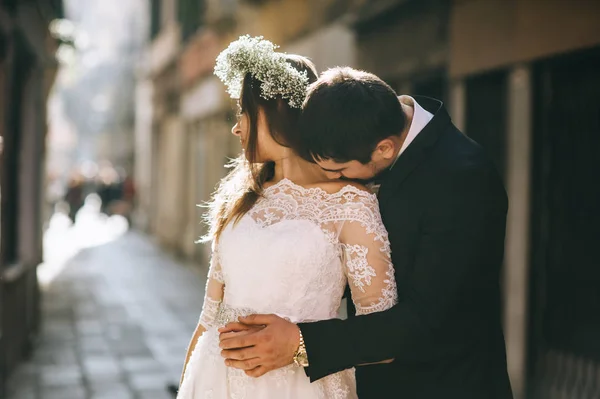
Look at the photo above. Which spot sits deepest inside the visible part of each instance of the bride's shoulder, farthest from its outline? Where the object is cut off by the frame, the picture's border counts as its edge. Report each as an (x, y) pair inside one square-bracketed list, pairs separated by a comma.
[(338, 186)]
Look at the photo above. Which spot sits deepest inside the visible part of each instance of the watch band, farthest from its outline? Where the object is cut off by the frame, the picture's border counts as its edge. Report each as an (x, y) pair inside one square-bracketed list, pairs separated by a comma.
[(300, 357), (301, 347)]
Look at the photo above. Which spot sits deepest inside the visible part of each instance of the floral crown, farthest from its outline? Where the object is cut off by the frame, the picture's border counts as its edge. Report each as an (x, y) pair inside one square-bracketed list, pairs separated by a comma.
[(257, 56)]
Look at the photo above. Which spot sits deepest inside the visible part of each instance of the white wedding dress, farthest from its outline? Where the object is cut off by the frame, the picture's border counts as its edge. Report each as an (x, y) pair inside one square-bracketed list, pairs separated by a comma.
[(291, 255)]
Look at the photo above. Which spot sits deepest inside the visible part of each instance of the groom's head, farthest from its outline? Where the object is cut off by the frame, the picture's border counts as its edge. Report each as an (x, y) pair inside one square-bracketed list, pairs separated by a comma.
[(351, 124)]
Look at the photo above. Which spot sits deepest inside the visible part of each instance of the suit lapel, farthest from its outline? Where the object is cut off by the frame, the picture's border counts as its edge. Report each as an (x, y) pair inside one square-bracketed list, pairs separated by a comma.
[(416, 151)]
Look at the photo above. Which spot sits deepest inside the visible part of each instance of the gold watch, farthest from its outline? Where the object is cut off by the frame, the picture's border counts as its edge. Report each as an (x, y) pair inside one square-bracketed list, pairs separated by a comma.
[(300, 357)]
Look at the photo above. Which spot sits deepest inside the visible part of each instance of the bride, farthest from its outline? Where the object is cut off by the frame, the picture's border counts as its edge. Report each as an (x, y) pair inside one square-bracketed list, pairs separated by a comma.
[(285, 239)]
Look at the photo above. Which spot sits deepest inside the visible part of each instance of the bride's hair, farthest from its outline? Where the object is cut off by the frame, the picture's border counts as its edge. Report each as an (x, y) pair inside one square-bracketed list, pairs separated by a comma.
[(243, 186)]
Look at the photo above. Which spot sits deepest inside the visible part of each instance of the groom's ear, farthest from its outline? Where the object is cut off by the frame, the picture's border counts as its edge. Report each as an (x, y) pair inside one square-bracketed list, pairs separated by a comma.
[(385, 149)]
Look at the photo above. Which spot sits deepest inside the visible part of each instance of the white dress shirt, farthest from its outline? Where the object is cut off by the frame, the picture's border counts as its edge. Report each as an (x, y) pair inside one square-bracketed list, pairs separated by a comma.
[(421, 117)]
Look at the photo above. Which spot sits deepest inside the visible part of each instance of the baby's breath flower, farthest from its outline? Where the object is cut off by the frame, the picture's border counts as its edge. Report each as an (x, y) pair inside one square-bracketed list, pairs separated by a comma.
[(258, 57)]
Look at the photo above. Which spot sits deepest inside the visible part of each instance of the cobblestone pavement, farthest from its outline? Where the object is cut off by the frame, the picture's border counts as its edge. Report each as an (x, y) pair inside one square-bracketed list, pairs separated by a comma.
[(116, 324)]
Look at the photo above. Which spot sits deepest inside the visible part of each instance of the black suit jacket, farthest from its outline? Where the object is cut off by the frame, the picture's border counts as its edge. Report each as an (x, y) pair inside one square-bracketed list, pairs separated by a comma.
[(444, 207)]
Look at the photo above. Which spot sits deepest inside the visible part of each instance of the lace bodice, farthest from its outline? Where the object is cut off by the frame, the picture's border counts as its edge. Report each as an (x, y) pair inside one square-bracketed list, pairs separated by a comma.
[(296, 250)]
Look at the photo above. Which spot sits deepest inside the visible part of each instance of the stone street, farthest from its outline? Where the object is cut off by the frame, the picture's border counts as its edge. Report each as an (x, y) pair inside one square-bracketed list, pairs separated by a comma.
[(117, 319)]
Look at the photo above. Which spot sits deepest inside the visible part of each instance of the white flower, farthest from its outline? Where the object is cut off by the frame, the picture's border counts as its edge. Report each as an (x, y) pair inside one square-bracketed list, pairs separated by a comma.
[(258, 57)]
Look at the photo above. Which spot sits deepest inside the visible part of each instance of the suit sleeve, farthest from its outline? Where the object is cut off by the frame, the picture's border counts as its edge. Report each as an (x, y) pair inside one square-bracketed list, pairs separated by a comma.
[(462, 229)]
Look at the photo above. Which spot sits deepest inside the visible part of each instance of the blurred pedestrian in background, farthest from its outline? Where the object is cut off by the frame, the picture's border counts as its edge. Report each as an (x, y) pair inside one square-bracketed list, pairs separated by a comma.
[(75, 195)]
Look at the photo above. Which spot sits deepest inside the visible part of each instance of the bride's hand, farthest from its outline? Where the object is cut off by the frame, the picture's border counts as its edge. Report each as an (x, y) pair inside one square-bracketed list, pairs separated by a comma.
[(259, 343)]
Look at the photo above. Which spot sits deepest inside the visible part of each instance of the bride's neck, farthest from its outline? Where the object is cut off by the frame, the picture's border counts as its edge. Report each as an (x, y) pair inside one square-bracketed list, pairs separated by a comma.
[(291, 166)]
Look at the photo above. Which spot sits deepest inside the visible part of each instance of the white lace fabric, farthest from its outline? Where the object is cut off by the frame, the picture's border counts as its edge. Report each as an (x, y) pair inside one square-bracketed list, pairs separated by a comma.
[(293, 255), (215, 286)]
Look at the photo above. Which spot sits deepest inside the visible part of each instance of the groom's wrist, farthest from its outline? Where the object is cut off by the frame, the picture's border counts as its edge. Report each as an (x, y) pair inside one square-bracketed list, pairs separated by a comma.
[(300, 355)]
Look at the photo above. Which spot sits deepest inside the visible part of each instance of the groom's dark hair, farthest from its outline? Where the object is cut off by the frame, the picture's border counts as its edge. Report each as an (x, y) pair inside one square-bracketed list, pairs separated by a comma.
[(346, 113)]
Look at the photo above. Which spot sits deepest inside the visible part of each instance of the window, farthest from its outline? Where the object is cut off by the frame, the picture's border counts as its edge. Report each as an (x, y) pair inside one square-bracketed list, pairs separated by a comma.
[(155, 15), (190, 16)]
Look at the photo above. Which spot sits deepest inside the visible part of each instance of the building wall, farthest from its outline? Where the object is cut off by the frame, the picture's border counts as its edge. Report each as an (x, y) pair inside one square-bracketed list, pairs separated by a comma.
[(203, 101), (278, 21), (27, 70), (213, 143), (329, 46), (165, 142), (489, 34), (204, 108), (512, 38), (563, 326), (143, 153), (170, 178), (405, 43)]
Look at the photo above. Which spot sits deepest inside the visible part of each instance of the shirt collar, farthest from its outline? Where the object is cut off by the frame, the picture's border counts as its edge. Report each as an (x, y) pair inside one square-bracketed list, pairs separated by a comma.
[(421, 117)]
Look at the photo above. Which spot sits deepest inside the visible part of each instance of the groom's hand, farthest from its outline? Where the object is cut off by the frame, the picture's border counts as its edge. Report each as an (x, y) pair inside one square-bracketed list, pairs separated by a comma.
[(259, 343)]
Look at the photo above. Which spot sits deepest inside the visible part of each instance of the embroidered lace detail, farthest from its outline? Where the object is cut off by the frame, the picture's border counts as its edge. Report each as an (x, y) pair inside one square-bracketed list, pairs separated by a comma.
[(215, 271), (358, 265), (361, 273), (340, 385), (213, 293), (389, 297), (210, 310), (227, 314), (289, 201)]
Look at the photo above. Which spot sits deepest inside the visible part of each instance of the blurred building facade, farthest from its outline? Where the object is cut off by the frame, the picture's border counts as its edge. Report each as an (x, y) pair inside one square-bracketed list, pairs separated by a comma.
[(27, 70), (520, 77), (527, 78)]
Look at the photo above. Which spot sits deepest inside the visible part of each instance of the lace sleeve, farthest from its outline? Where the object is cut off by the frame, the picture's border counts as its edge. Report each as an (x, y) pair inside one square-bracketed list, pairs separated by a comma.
[(215, 286), (367, 255)]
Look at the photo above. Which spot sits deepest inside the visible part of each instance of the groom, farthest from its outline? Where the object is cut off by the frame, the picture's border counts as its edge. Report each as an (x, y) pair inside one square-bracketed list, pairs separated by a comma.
[(445, 208)]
